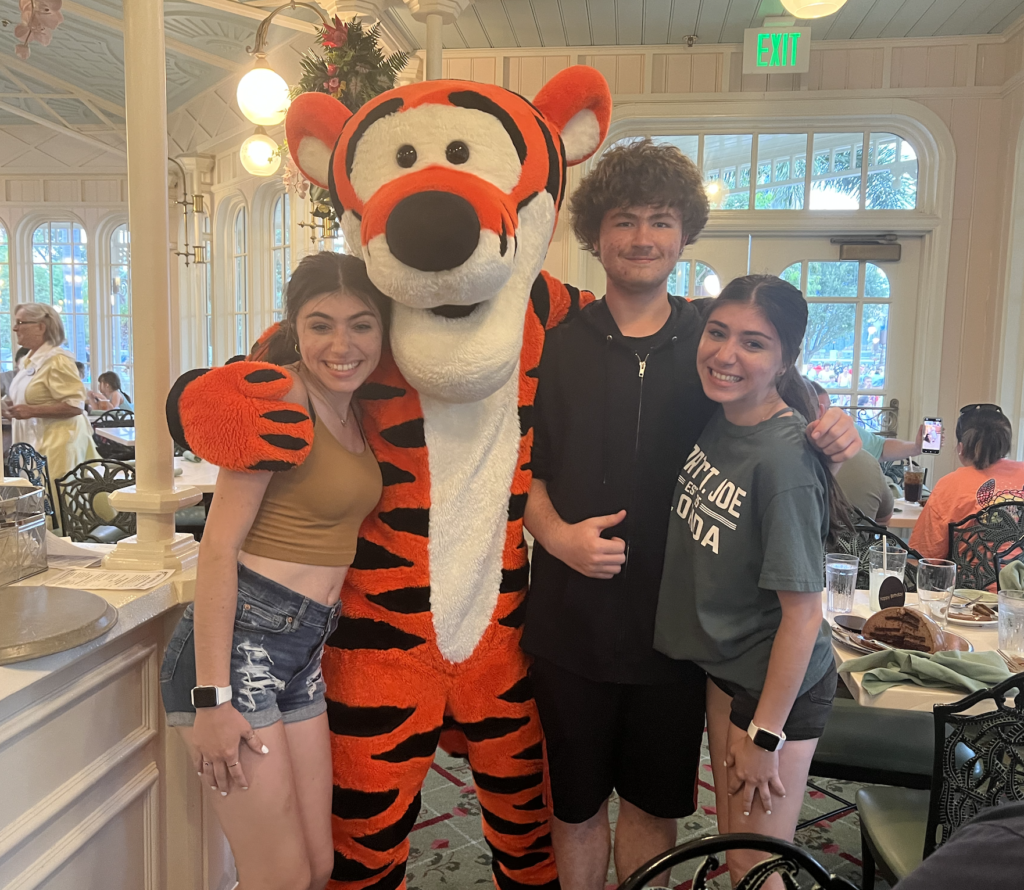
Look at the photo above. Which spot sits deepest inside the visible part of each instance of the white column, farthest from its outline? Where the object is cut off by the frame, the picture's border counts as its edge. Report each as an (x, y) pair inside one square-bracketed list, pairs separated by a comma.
[(153, 496), (434, 46), (436, 14)]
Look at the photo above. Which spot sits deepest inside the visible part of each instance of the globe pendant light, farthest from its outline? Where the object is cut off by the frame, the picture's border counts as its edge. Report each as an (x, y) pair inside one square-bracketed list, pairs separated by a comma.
[(812, 9), (259, 154), (263, 95)]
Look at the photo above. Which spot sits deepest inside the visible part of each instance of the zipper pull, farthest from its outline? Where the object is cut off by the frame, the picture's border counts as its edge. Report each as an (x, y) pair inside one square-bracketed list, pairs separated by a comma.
[(643, 364)]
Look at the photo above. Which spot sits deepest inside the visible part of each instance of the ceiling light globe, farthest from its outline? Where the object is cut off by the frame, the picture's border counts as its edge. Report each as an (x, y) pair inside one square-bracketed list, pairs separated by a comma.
[(259, 155), (263, 96), (812, 9)]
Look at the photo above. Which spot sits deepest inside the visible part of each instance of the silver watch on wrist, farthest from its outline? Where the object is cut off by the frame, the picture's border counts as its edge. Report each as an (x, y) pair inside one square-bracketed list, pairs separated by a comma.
[(764, 738), (210, 696)]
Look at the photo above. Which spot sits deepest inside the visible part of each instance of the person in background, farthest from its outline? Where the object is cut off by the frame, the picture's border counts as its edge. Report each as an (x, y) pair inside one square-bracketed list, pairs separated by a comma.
[(861, 477), (47, 398), (81, 370), (884, 449), (7, 376), (983, 437), (110, 394)]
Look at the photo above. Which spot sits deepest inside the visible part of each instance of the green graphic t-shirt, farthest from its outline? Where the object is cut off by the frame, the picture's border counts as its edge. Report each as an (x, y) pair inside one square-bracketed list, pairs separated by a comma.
[(749, 517)]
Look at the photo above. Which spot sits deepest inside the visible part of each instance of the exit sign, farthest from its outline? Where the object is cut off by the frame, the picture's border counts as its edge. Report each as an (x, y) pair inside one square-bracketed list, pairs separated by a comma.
[(776, 50)]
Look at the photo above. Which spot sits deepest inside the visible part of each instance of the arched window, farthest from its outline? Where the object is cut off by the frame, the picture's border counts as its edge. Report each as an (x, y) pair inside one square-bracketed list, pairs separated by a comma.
[(121, 308), (240, 314), (6, 351), (60, 277), (697, 279), (281, 251)]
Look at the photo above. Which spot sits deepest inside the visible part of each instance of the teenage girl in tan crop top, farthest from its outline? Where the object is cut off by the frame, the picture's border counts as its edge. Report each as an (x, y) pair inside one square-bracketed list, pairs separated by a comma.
[(271, 565)]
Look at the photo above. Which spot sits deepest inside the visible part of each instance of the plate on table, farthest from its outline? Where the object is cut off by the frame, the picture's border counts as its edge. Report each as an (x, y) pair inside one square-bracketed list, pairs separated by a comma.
[(965, 619), (847, 630), (978, 596)]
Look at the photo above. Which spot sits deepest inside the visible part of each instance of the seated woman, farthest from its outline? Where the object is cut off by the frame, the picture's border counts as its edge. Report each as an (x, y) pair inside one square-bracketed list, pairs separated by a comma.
[(110, 394), (983, 436), (241, 676), (741, 588), (46, 398)]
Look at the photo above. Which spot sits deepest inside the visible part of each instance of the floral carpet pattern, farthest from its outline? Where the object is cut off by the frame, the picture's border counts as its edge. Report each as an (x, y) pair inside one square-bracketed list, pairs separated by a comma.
[(449, 853)]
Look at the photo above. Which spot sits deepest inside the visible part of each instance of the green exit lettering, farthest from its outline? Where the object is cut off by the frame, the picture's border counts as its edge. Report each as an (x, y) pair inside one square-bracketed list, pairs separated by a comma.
[(777, 50)]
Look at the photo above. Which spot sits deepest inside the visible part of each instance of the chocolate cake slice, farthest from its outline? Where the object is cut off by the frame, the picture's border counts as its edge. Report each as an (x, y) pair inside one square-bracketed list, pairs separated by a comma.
[(904, 629)]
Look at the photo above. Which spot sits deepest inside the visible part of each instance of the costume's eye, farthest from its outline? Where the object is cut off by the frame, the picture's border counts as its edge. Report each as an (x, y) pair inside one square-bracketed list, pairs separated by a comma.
[(457, 152), (406, 156)]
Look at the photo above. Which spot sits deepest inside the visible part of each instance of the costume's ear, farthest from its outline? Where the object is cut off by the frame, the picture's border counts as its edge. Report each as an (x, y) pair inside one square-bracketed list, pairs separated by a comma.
[(313, 125), (579, 104)]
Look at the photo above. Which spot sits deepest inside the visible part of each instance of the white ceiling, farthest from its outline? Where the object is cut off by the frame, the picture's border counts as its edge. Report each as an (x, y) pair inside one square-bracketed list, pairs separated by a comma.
[(524, 23)]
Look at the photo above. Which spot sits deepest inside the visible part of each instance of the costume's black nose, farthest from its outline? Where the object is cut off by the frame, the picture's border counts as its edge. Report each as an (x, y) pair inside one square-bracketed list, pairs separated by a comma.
[(433, 231)]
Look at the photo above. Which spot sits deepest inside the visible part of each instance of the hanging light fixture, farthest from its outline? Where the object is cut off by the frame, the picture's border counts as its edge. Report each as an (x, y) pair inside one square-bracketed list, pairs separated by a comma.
[(812, 9), (262, 93), (259, 154)]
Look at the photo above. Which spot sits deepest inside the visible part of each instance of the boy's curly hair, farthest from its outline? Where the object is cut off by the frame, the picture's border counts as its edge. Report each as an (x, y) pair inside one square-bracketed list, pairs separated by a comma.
[(636, 174)]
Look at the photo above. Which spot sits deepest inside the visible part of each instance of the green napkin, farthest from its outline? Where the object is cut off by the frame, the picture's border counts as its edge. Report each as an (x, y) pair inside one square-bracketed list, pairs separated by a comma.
[(969, 671), (1011, 576)]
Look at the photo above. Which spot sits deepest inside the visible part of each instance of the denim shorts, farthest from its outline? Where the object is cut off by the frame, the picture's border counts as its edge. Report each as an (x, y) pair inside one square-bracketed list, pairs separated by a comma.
[(275, 656)]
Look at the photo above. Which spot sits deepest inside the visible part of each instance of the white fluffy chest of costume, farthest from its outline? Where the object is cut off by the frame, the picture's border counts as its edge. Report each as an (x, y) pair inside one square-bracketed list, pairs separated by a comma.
[(473, 448)]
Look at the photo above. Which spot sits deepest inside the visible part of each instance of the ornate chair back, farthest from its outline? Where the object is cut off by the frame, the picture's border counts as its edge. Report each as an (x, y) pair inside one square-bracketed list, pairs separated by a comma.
[(24, 460), (786, 860), (84, 511), (979, 758), (981, 543), (867, 532), (115, 417)]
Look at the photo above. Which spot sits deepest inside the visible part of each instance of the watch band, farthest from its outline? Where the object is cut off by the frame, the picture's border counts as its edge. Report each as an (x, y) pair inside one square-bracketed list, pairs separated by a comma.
[(210, 696), (764, 738)]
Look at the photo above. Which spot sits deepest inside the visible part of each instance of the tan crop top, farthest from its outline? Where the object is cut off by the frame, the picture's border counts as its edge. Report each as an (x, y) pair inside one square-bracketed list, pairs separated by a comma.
[(312, 513)]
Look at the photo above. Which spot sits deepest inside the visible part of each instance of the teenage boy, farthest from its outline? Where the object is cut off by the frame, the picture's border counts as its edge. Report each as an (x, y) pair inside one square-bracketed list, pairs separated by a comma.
[(619, 406)]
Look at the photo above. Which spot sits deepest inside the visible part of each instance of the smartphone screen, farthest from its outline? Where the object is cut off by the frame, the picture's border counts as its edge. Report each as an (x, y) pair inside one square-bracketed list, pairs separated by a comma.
[(932, 435)]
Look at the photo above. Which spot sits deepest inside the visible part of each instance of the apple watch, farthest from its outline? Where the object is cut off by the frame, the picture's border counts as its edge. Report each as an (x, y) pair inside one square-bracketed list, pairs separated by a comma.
[(210, 696), (770, 741)]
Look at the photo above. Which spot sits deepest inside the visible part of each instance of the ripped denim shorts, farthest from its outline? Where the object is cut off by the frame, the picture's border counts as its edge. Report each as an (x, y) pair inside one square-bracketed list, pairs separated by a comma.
[(275, 656)]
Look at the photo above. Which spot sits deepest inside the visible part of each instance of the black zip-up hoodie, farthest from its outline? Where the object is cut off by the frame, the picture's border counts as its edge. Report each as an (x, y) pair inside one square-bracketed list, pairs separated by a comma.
[(615, 417)]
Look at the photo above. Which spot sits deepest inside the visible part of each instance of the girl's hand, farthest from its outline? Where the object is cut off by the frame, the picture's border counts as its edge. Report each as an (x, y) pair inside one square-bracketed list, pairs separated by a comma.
[(217, 738), (751, 768)]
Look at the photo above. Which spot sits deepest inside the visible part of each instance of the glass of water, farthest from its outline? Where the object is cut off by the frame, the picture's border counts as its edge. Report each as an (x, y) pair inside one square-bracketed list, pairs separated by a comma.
[(840, 581), (891, 564), (936, 580), (1011, 621)]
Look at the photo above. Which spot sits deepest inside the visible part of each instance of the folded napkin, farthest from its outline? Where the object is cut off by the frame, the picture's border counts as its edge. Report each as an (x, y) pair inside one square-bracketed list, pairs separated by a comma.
[(969, 671), (1011, 576)]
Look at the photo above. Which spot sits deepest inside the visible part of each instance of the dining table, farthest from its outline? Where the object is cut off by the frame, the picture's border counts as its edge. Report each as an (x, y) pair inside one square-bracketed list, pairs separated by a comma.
[(905, 696), (123, 435), (904, 514), (192, 474)]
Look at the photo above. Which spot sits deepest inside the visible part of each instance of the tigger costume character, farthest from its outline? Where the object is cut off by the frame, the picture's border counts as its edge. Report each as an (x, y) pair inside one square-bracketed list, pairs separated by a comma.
[(450, 191)]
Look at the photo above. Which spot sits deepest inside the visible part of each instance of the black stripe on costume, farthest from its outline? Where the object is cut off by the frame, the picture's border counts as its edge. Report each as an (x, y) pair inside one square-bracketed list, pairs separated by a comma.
[(392, 880), (516, 863), (392, 475), (503, 238), (574, 300), (534, 752), (393, 834), (507, 784), (405, 600), (379, 391), (357, 804), (275, 466), (386, 108), (525, 419), (372, 556), (479, 102), (287, 443), (506, 827), (365, 633), (518, 692), (414, 520), (264, 375), (423, 744), (286, 415), (516, 507), (406, 435), (515, 618), (540, 299), (491, 728), (506, 882), (534, 803), (346, 869), (556, 165), (363, 723), (512, 580)]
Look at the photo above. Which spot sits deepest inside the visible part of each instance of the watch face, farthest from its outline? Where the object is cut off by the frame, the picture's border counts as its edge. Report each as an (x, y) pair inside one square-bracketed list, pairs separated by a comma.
[(767, 740), (204, 696)]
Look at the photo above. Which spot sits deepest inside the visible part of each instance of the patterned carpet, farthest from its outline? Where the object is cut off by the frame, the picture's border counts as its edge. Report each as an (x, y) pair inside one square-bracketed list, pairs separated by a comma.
[(449, 852)]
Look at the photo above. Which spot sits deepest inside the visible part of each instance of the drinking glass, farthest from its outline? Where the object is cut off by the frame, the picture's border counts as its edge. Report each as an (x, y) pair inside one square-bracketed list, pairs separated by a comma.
[(1011, 621), (894, 563), (936, 580), (913, 480), (840, 581)]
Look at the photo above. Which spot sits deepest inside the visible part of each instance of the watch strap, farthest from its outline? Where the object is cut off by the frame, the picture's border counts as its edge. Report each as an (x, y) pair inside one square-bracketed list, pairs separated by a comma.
[(210, 696), (764, 738)]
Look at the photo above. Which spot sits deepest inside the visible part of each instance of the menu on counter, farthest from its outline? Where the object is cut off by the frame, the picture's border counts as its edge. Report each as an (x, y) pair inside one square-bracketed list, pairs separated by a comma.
[(107, 579)]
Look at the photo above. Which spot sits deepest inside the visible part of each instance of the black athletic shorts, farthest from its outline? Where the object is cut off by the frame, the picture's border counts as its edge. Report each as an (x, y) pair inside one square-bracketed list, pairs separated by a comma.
[(642, 741), (807, 717)]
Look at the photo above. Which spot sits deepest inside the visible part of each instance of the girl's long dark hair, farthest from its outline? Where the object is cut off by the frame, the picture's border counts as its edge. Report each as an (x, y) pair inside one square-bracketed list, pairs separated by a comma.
[(786, 310), (318, 274)]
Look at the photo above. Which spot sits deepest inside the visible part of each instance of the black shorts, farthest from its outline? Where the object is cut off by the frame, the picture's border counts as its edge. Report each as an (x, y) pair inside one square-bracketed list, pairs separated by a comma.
[(642, 741), (807, 717)]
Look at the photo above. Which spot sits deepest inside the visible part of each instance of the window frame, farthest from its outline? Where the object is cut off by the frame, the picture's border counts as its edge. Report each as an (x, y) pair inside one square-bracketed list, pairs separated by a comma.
[(240, 283)]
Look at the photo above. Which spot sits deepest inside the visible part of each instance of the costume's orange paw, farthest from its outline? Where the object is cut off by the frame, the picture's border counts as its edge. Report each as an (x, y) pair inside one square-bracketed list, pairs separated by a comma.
[(234, 417)]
